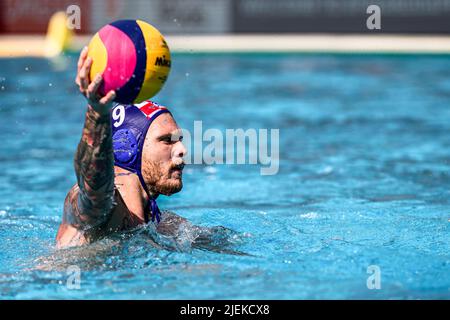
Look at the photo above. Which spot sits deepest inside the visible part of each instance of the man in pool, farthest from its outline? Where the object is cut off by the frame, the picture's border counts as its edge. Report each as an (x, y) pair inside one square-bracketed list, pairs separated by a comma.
[(122, 165)]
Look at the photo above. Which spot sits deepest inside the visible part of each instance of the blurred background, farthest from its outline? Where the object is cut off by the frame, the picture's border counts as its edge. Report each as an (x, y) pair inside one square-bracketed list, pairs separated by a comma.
[(234, 16)]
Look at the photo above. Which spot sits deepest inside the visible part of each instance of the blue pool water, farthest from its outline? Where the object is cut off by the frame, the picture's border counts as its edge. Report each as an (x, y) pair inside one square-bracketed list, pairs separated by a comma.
[(364, 179)]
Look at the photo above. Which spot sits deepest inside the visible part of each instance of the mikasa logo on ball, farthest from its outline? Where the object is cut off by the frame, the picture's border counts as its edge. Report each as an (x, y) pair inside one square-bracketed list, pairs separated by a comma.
[(162, 61)]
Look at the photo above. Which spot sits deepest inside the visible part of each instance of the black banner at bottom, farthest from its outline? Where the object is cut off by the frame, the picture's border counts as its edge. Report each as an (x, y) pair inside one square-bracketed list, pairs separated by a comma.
[(222, 309)]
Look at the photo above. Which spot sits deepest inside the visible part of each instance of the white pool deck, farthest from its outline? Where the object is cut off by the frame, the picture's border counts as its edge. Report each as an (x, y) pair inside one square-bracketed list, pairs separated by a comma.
[(32, 45)]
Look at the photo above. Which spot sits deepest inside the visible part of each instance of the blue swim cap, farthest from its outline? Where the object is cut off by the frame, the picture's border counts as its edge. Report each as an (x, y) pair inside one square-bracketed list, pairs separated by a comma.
[(130, 124)]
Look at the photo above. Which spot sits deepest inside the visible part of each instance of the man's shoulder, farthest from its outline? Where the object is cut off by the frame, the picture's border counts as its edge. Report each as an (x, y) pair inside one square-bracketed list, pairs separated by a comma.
[(120, 218), (75, 216)]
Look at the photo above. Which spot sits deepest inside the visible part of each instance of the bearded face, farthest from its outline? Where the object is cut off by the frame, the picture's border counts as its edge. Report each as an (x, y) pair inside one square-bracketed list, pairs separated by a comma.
[(163, 178), (162, 163)]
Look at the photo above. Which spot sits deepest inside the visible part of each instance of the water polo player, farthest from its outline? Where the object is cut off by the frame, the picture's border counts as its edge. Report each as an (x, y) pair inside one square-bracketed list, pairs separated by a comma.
[(125, 159)]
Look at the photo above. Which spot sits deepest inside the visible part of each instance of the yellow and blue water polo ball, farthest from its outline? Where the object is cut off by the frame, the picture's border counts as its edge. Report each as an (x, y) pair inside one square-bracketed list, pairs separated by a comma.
[(133, 58)]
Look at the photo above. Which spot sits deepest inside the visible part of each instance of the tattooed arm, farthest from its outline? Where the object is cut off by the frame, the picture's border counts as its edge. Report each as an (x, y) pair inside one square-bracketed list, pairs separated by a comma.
[(94, 168), (89, 203)]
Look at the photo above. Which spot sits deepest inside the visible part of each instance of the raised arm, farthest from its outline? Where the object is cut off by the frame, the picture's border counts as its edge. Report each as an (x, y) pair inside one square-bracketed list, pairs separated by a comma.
[(89, 204)]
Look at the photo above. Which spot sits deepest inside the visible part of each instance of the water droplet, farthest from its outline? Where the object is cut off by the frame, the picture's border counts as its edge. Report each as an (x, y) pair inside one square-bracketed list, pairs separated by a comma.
[(3, 87), (26, 69), (187, 74), (309, 215), (50, 84), (211, 170), (326, 170)]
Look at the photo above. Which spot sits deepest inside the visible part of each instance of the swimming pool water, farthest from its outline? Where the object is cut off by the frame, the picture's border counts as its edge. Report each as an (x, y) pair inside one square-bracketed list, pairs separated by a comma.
[(363, 180)]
